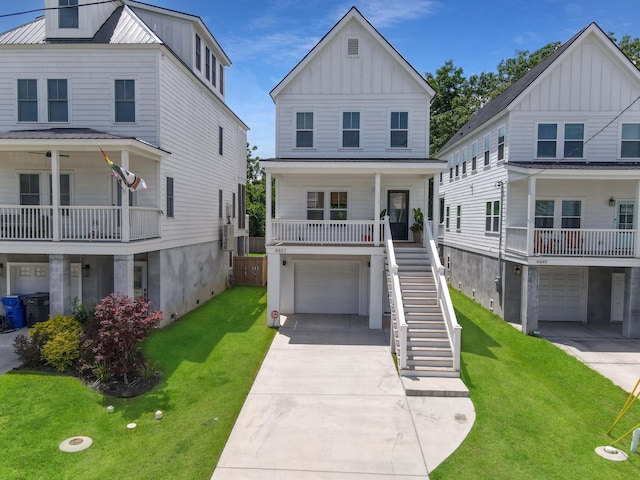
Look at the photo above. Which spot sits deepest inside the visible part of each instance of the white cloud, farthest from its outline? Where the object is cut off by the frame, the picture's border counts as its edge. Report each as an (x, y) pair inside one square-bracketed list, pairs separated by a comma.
[(388, 13)]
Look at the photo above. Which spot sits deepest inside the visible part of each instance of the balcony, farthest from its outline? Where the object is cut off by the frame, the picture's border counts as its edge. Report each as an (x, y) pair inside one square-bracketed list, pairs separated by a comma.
[(84, 224), (572, 242), (323, 232)]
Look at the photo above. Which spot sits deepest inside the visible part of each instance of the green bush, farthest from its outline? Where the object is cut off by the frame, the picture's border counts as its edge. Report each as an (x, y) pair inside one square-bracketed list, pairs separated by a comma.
[(58, 340), (27, 351)]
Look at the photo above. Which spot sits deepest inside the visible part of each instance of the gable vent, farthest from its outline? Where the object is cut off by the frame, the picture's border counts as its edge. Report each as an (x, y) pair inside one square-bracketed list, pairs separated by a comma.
[(352, 47)]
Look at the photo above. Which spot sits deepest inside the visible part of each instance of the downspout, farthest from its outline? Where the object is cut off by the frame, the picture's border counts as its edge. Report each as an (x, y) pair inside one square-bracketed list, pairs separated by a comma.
[(500, 260)]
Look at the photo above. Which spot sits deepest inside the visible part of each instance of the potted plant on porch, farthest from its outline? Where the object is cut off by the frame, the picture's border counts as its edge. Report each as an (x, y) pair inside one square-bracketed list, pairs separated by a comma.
[(418, 225)]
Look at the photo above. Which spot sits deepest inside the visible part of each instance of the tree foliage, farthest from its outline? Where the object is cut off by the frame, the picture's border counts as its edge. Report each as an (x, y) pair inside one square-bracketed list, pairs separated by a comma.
[(256, 194), (458, 98)]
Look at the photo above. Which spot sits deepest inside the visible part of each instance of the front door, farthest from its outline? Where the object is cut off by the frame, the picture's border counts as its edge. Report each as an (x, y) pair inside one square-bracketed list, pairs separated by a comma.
[(398, 211), (625, 220), (140, 279)]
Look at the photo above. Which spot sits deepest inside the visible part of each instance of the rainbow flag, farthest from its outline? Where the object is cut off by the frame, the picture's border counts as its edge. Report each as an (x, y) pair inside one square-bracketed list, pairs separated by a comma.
[(132, 181)]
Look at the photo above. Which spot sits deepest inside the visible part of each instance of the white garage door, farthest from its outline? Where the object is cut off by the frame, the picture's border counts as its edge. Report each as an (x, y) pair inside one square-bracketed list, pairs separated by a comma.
[(326, 287), (562, 294)]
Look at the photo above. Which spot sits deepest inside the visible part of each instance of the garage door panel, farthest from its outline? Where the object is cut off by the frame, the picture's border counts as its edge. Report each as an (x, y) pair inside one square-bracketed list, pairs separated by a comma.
[(323, 287), (562, 294)]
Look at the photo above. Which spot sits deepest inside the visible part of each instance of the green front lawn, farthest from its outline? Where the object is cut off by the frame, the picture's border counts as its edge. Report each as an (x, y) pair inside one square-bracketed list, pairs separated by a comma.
[(209, 359), (540, 413)]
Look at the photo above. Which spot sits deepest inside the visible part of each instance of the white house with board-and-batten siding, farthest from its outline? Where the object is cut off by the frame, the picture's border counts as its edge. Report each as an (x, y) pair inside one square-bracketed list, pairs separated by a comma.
[(540, 195), (146, 84), (352, 165)]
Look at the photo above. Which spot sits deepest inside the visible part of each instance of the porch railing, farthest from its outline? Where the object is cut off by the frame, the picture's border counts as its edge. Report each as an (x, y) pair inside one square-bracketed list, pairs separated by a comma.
[(573, 242), (324, 232), (399, 325), (77, 223)]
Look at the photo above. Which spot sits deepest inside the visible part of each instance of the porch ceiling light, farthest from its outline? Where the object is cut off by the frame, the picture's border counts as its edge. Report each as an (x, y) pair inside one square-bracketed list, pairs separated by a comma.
[(612, 202)]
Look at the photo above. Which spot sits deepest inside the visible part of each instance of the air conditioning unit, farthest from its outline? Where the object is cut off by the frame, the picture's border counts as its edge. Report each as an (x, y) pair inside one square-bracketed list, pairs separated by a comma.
[(227, 237)]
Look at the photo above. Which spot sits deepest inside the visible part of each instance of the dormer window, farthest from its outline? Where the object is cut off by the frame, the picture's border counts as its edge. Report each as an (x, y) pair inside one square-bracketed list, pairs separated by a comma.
[(68, 14)]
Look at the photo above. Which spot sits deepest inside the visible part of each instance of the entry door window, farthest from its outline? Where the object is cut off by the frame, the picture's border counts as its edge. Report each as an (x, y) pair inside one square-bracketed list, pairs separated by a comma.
[(140, 279), (398, 210), (626, 215)]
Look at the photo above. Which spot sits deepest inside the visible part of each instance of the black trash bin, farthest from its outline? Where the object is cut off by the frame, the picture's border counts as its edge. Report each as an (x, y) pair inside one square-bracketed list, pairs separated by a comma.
[(36, 308)]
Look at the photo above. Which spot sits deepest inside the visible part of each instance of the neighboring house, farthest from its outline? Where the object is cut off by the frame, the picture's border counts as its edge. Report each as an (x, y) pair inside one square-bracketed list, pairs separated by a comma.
[(541, 194), (148, 85), (352, 122)]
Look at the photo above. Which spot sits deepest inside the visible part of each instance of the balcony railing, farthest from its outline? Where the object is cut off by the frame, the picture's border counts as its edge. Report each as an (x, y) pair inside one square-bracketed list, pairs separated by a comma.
[(92, 224), (573, 242), (323, 232)]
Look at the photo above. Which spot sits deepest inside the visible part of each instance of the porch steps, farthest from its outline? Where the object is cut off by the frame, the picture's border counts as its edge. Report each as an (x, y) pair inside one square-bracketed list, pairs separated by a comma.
[(429, 370)]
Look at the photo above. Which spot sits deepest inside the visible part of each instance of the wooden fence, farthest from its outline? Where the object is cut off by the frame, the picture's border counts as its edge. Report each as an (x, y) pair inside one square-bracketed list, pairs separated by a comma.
[(256, 245), (250, 271)]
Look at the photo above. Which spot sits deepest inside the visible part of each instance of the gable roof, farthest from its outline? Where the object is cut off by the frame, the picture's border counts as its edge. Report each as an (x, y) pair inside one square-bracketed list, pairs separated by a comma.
[(353, 13), (518, 88)]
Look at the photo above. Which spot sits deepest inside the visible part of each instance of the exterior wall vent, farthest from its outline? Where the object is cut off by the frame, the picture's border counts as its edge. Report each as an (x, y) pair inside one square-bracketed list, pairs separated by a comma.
[(353, 47), (227, 237)]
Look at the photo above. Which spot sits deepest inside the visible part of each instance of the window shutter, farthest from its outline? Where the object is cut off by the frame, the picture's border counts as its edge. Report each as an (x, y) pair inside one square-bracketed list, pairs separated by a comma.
[(353, 47)]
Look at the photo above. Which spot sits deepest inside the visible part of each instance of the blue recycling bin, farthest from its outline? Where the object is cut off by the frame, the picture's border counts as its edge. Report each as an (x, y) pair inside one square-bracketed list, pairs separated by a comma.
[(14, 310)]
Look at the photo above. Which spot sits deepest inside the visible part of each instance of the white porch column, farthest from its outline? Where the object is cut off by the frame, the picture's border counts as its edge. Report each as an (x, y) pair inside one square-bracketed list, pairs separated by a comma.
[(126, 232), (123, 274), (529, 298), (60, 284), (55, 195), (273, 289), (268, 213), (376, 264), (376, 215), (637, 246), (436, 208), (531, 214)]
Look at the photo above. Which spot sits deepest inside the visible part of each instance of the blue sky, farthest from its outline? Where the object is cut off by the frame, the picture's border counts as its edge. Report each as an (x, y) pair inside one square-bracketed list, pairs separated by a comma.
[(266, 38)]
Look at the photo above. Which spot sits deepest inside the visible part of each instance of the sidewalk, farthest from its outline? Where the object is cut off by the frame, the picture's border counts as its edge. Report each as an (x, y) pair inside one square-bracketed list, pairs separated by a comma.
[(8, 359), (328, 404)]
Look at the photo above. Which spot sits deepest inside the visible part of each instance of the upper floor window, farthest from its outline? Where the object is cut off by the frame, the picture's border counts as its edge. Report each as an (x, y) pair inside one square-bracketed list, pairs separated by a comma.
[(64, 189), (501, 131), (487, 149), (125, 101), (463, 155), (547, 140), (304, 129), (27, 100), (68, 14), (350, 129), (447, 217), (492, 216), (242, 206), (57, 100), (207, 63), (198, 52), (571, 213), (544, 213), (214, 67), (573, 140), (315, 205), (338, 206), (170, 198), (220, 140), (29, 188), (630, 147), (221, 70), (474, 156), (459, 218), (399, 129)]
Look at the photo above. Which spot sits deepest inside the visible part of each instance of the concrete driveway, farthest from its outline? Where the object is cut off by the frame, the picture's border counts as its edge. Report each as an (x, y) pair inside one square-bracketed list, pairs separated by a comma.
[(601, 347), (8, 359), (328, 404)]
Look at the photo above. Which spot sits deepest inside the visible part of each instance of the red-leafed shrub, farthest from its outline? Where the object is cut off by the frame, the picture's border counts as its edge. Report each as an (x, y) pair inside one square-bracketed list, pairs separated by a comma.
[(122, 324)]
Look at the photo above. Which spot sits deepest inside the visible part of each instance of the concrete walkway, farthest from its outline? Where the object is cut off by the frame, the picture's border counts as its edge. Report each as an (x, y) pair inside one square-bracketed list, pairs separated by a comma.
[(8, 358), (601, 347), (328, 404)]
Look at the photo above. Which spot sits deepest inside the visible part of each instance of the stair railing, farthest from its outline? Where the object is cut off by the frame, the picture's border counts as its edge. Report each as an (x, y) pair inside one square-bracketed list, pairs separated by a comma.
[(454, 330), (395, 298)]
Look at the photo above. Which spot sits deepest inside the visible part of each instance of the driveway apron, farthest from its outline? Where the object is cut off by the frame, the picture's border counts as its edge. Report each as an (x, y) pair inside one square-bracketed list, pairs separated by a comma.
[(328, 404)]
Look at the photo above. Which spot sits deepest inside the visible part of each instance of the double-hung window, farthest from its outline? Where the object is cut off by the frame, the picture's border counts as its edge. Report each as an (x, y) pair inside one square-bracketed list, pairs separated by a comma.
[(399, 130), (170, 198), (221, 71), (338, 206), (220, 140), (459, 218), (501, 131), (207, 63), (65, 189), (198, 52), (68, 14), (447, 217), (464, 160), (125, 101), (27, 100), (304, 130), (547, 140), (58, 100), (630, 143), (315, 205), (351, 129), (29, 188), (544, 213), (573, 140), (571, 213), (487, 149), (474, 156), (214, 67), (492, 217)]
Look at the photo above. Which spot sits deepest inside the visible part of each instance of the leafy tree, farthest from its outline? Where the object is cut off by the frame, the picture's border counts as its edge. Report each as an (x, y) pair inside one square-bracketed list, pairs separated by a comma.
[(256, 194), (630, 47)]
